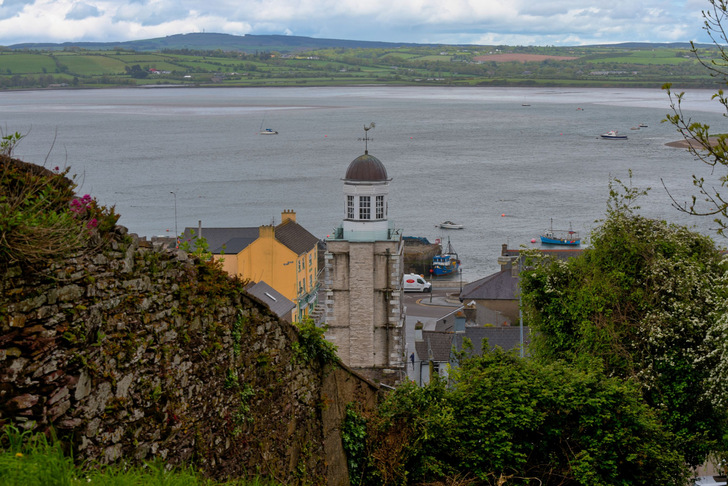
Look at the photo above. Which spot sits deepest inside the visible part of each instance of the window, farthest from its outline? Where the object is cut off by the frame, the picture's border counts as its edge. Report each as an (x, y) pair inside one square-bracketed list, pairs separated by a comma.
[(349, 207), (365, 207), (380, 207)]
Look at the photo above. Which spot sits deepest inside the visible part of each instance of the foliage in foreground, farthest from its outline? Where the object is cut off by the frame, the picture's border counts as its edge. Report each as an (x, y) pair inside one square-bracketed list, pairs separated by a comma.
[(506, 420), (34, 460), (41, 218), (646, 303), (705, 144)]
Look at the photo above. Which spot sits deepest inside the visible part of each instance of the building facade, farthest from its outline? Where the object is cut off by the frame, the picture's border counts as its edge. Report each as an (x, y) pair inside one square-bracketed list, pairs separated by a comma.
[(284, 256), (363, 277)]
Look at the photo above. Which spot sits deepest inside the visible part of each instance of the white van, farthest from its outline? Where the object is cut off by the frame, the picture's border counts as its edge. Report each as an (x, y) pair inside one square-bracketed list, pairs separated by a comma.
[(416, 283)]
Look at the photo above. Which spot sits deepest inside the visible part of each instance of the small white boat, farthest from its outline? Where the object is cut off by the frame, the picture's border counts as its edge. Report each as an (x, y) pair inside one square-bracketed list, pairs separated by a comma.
[(268, 131), (613, 135), (451, 225), (643, 125)]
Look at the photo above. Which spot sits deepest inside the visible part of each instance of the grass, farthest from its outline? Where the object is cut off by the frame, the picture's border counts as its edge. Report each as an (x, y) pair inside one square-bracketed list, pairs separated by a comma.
[(34, 460), (26, 63)]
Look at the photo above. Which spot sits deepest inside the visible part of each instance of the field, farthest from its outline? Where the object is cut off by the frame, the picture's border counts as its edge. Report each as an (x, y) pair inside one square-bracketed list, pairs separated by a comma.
[(412, 65), (514, 57)]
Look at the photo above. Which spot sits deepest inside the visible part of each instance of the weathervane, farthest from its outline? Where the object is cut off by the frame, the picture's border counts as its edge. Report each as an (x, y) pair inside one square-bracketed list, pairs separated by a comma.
[(366, 137)]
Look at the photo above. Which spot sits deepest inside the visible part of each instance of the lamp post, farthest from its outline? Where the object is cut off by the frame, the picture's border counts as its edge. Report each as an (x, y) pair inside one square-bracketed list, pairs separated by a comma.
[(520, 302), (176, 234)]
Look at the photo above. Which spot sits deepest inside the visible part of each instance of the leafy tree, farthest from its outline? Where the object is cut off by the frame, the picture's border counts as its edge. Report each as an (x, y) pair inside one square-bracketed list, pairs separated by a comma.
[(646, 302), (705, 144), (136, 71), (507, 420)]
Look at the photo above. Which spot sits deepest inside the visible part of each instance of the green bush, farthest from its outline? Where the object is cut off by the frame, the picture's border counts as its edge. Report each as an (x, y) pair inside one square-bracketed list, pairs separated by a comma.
[(508, 420)]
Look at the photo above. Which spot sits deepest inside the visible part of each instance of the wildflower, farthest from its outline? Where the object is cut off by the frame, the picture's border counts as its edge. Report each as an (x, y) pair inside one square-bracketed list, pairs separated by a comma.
[(92, 223), (19, 454)]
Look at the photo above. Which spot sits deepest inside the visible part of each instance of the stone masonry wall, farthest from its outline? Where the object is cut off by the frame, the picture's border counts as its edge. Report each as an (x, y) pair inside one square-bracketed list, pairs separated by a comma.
[(135, 352)]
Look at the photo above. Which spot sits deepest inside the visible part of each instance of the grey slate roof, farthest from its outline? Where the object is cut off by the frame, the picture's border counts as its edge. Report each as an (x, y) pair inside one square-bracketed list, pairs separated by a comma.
[(295, 237), (498, 286), (230, 241), (439, 342), (281, 306), (504, 337)]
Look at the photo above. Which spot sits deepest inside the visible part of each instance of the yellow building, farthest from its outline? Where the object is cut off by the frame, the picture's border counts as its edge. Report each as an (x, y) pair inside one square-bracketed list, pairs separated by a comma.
[(283, 256)]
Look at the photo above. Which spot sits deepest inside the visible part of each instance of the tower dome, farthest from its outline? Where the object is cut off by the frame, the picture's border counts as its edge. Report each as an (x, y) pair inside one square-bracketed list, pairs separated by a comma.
[(366, 168)]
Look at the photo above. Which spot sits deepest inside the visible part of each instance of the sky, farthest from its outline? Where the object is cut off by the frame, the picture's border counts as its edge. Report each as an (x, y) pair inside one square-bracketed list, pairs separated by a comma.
[(481, 22)]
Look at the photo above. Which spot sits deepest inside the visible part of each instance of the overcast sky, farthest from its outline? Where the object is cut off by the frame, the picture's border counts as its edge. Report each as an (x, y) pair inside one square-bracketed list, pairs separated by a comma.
[(489, 22)]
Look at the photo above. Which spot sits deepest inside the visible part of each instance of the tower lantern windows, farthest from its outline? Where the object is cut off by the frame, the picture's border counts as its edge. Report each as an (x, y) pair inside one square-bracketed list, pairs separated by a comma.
[(365, 208)]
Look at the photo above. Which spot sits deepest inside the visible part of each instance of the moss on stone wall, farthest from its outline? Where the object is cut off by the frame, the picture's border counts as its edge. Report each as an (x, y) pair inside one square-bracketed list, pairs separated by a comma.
[(134, 351)]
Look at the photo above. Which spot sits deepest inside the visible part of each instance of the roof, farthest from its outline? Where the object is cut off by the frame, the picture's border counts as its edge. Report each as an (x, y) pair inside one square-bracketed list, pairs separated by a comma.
[(366, 168), (504, 337), (295, 237), (223, 240), (280, 306), (498, 286), (440, 343)]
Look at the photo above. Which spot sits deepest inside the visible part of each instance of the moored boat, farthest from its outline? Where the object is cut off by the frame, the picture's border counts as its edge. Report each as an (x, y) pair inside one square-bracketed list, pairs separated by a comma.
[(268, 131), (446, 262), (560, 237), (451, 225), (613, 135)]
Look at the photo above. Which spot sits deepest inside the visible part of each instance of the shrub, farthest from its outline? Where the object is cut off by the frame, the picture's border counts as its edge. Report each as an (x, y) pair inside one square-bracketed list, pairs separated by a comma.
[(41, 218)]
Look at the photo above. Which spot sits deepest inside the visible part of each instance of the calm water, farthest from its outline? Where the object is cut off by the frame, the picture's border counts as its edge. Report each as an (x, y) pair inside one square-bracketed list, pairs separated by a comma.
[(471, 155)]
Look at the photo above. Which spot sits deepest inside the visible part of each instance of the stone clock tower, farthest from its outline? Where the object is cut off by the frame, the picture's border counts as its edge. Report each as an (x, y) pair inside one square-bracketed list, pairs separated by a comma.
[(363, 276)]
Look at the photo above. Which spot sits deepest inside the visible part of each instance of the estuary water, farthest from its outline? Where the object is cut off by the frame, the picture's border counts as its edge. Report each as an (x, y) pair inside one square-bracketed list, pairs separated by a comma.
[(502, 161)]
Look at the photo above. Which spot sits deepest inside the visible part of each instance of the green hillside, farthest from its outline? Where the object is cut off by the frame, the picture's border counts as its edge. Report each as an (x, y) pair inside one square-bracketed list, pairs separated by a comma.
[(226, 60)]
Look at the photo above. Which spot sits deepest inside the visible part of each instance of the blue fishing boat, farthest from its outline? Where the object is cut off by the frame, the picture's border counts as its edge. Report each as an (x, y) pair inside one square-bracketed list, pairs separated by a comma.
[(446, 262), (560, 237)]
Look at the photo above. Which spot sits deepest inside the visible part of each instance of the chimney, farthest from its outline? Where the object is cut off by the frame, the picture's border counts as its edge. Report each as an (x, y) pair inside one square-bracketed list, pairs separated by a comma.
[(288, 214), (266, 231)]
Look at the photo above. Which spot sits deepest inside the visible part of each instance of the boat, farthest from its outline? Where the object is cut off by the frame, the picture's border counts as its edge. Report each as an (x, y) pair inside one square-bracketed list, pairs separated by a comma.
[(560, 237), (451, 225), (266, 131), (446, 263), (613, 135), (643, 125)]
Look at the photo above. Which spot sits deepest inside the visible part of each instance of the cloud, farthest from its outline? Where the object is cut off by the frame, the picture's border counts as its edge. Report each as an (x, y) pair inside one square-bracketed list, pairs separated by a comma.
[(81, 11), (522, 22), (11, 8)]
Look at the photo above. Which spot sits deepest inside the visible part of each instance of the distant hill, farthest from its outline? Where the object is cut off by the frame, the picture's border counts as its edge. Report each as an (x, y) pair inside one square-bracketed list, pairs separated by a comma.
[(225, 42), (256, 43)]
